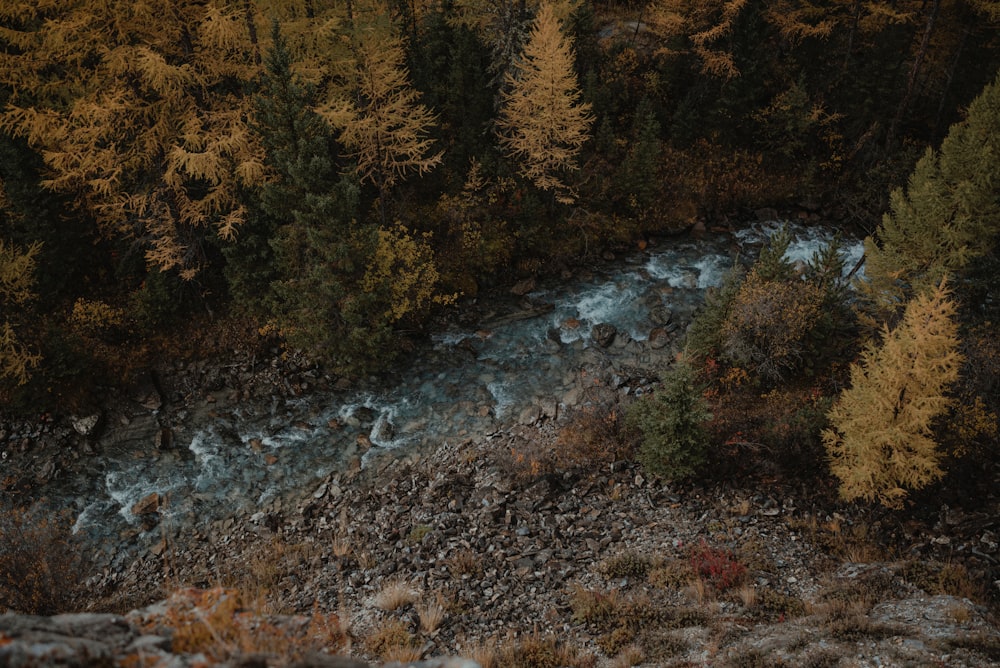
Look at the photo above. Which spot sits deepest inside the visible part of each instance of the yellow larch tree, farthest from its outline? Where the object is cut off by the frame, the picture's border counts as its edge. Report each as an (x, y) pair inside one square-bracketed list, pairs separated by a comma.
[(542, 123), (881, 443), (138, 110), (701, 27), (381, 121)]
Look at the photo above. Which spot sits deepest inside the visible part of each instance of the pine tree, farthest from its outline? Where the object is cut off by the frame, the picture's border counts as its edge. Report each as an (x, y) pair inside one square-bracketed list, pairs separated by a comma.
[(637, 177), (542, 123), (882, 440), (672, 422), (948, 215)]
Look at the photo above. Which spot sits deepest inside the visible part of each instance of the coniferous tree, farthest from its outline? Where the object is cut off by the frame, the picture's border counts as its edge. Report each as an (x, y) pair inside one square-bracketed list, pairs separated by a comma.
[(948, 215), (138, 111), (882, 440), (382, 123), (17, 277), (637, 175), (543, 125)]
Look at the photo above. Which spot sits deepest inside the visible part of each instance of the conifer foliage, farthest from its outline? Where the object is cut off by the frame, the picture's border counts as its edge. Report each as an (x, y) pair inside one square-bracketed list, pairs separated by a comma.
[(17, 276), (882, 440), (385, 127), (543, 124), (949, 213)]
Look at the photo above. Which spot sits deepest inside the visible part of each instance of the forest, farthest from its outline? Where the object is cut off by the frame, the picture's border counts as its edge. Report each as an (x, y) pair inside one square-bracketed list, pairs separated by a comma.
[(335, 174)]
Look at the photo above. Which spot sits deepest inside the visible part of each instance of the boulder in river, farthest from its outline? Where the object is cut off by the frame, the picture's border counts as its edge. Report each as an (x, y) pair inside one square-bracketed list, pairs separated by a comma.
[(603, 334), (147, 505)]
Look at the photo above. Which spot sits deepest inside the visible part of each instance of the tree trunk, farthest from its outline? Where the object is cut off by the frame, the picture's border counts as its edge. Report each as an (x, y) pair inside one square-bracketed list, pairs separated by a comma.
[(951, 72), (911, 82), (855, 21), (252, 30)]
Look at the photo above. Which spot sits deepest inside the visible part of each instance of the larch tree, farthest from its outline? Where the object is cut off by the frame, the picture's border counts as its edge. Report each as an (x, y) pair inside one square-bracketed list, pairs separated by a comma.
[(542, 123), (17, 275), (700, 27), (881, 443), (139, 112), (380, 118), (948, 215)]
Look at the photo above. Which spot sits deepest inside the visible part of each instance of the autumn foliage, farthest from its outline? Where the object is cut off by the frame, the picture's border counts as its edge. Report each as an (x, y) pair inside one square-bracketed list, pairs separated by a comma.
[(882, 442)]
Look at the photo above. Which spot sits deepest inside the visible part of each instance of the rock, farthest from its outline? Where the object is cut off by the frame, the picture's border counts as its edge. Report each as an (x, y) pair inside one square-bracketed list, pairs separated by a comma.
[(47, 471), (659, 338), (522, 288), (146, 505), (383, 431), (766, 214), (530, 415), (603, 334), (86, 426), (660, 315)]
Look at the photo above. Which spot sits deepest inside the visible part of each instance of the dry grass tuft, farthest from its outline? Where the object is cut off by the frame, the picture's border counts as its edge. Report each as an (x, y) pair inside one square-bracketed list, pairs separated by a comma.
[(698, 592), (431, 614), (464, 562), (630, 655), (628, 564), (392, 642), (594, 606), (485, 653), (215, 623), (748, 595), (537, 651), (674, 574), (395, 595)]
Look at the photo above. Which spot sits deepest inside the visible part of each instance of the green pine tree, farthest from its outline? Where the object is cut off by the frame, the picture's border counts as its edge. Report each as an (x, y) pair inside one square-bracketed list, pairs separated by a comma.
[(948, 215), (637, 175), (672, 419)]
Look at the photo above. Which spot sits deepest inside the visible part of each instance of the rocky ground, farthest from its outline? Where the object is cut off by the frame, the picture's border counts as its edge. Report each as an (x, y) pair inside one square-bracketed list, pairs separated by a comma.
[(589, 566), (464, 552)]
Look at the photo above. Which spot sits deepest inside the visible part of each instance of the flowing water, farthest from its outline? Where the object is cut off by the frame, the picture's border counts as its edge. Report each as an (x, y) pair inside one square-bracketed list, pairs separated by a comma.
[(464, 384)]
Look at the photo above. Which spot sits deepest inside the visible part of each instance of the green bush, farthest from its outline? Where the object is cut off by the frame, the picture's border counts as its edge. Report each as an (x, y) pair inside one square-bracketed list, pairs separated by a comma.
[(674, 441)]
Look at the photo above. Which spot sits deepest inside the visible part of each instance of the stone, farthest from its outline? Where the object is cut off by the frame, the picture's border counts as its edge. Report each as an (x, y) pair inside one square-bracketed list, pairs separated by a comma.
[(522, 288), (384, 431), (86, 426), (660, 315), (529, 415), (603, 334), (147, 504), (659, 338)]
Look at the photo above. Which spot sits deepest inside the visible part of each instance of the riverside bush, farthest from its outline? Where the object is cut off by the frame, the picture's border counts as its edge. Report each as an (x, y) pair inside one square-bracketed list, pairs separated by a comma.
[(674, 440), (41, 567)]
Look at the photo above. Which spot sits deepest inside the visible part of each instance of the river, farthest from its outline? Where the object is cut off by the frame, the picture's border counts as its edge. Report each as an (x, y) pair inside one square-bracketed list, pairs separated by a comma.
[(524, 363)]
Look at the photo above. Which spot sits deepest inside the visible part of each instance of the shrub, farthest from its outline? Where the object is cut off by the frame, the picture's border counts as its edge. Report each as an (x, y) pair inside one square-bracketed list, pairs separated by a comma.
[(704, 336), (768, 325), (594, 435), (671, 421), (718, 567), (41, 566)]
